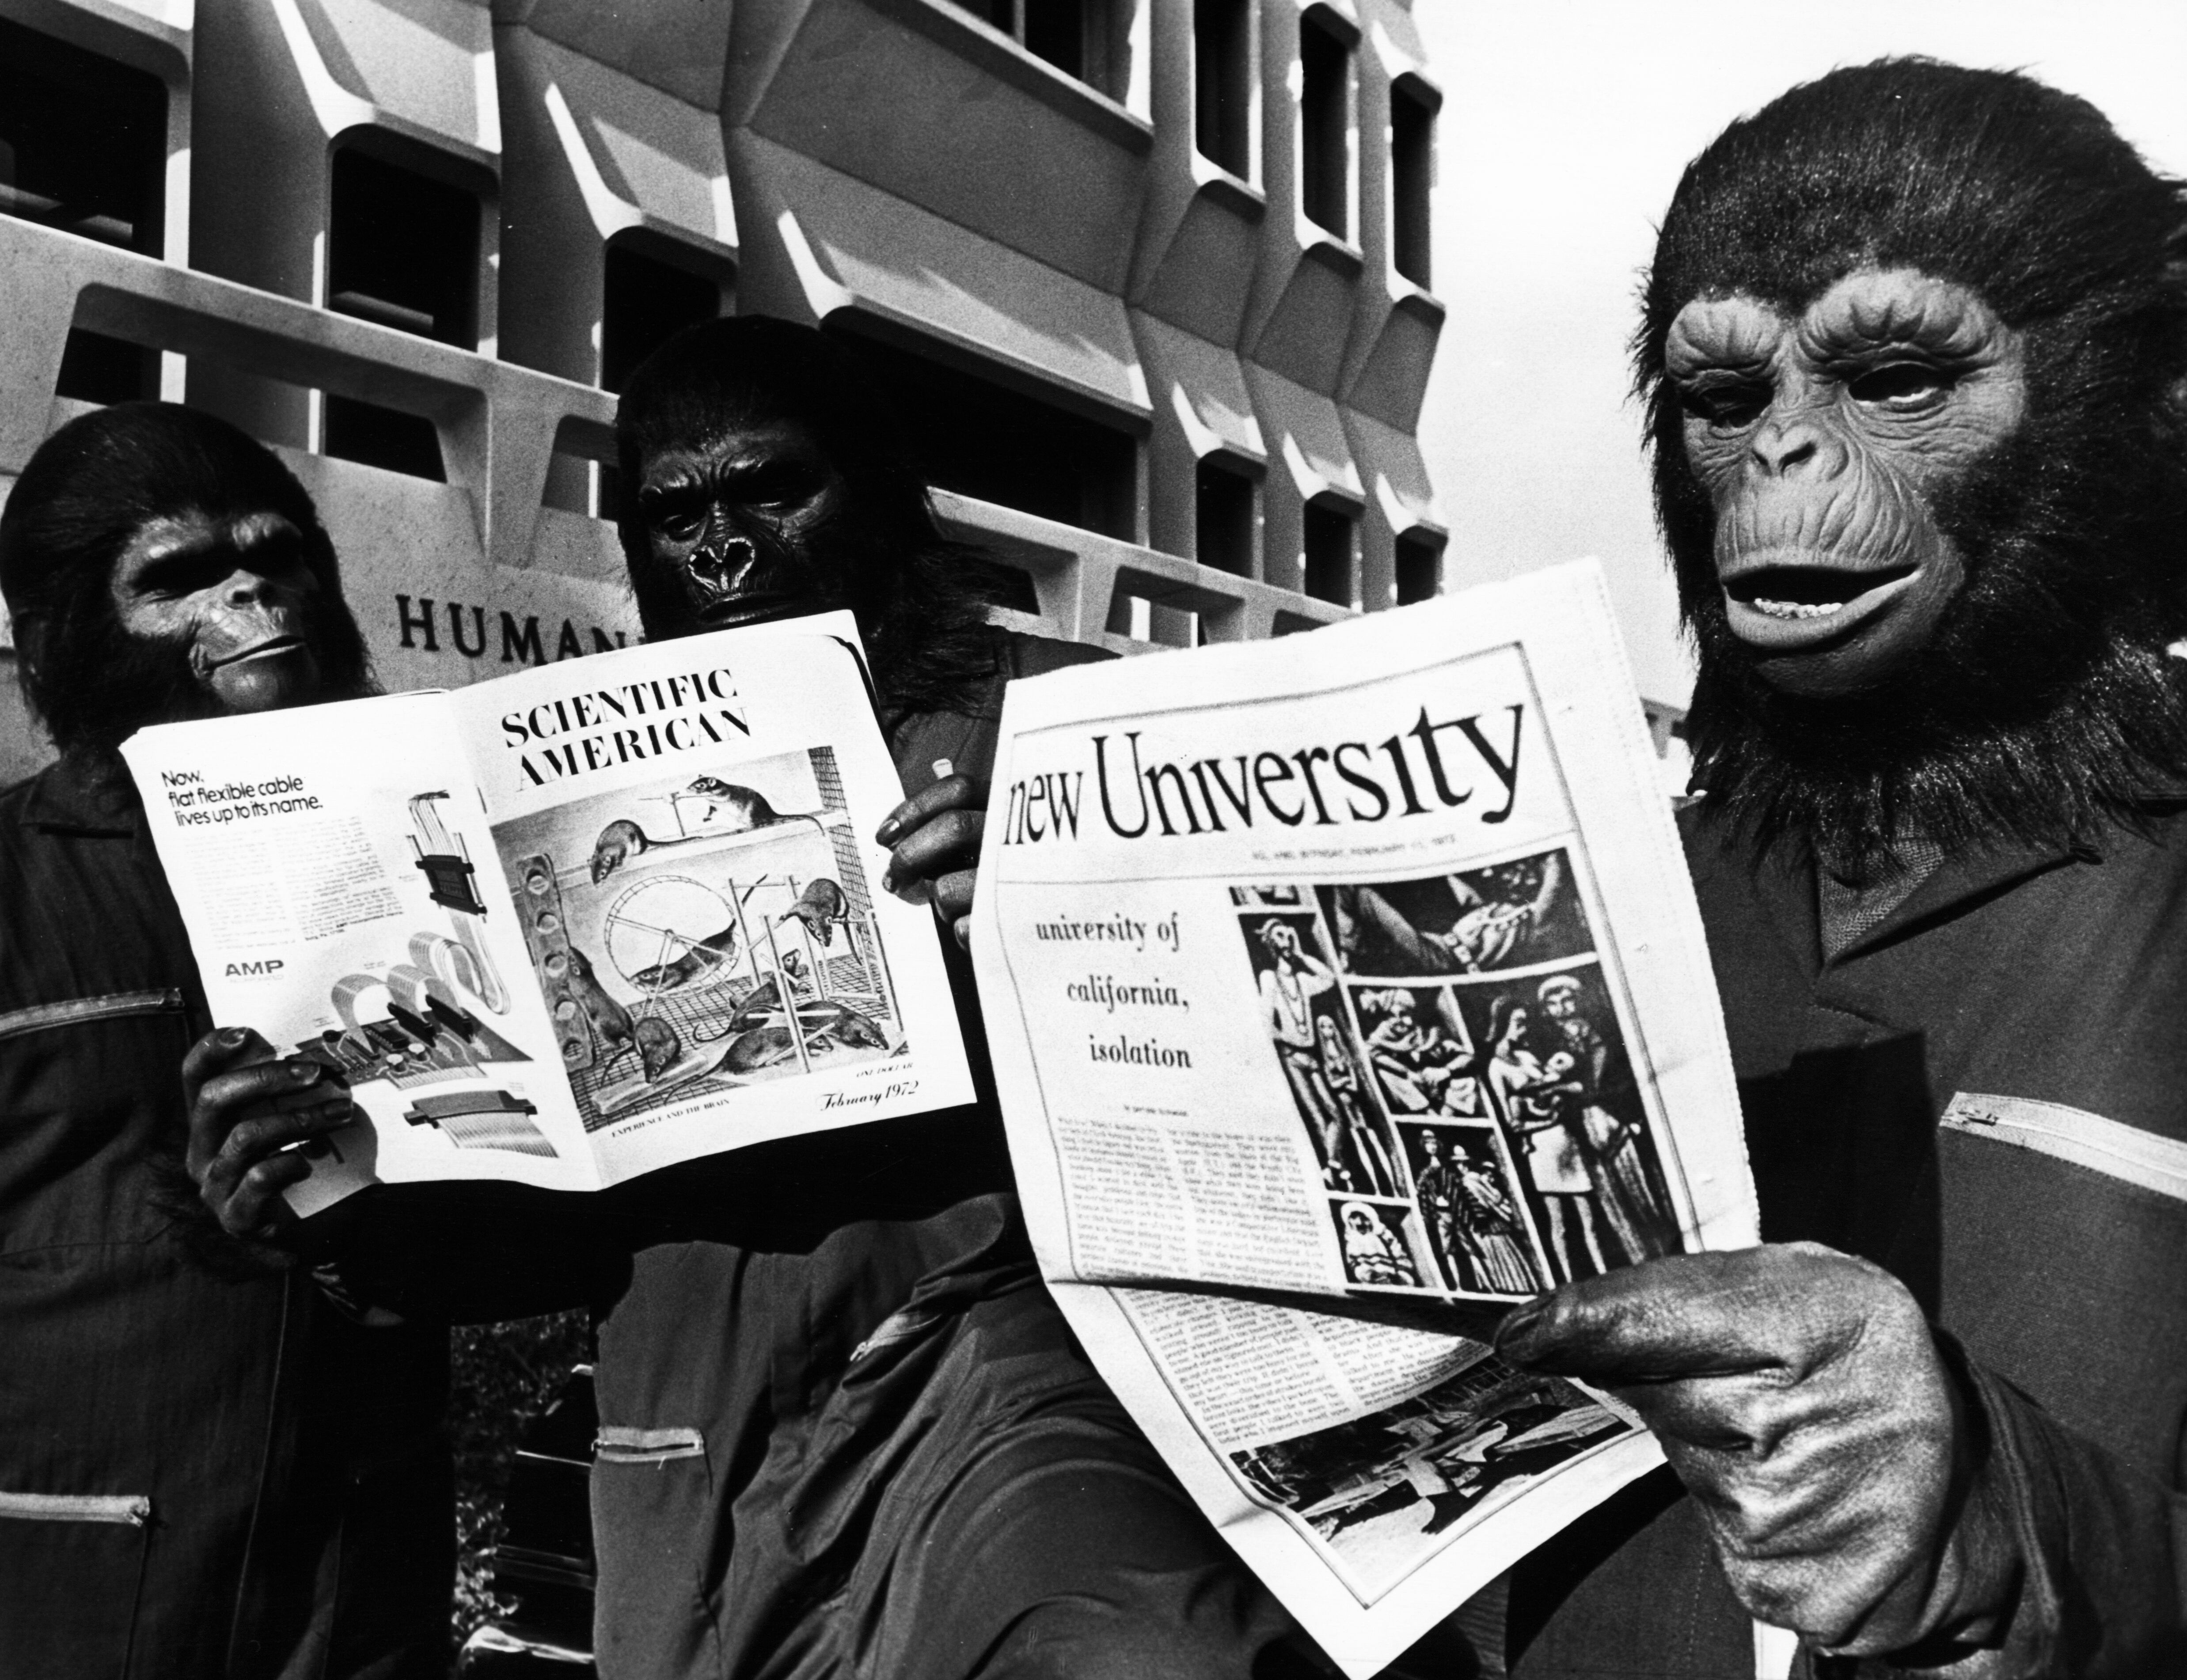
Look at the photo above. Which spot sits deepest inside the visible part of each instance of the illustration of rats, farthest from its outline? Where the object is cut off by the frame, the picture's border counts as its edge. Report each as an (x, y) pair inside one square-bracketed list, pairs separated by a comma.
[(611, 1020), (658, 1046), (731, 809), (819, 907)]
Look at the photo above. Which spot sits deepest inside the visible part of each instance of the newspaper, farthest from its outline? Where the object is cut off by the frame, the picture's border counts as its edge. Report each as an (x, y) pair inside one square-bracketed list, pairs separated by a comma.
[(573, 924), (1344, 991)]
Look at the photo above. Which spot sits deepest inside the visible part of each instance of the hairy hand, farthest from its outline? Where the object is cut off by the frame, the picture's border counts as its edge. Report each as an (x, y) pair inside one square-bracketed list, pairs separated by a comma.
[(1799, 1395), (934, 844), (253, 1117)]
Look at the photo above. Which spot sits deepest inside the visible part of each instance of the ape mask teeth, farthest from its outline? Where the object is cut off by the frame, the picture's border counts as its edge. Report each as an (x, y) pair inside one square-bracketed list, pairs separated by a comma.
[(1790, 608), (1808, 591)]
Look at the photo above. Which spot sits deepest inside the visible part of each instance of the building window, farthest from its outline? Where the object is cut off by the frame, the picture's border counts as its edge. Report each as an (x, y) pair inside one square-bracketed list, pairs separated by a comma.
[(1420, 569), (1324, 127), (402, 252), (1329, 554), (643, 303), (1222, 83), (83, 146), (984, 439), (1083, 38), (1223, 519), (1412, 179)]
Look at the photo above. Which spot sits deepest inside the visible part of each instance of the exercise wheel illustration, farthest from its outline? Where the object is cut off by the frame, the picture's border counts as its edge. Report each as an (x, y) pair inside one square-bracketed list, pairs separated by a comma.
[(671, 930)]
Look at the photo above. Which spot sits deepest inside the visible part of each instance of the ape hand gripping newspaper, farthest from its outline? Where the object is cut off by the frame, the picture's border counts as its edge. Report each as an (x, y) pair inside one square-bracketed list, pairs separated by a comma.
[(573, 925), (1344, 991)]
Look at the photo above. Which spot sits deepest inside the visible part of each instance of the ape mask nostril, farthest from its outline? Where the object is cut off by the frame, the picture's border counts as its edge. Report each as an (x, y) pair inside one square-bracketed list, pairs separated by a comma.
[(713, 573)]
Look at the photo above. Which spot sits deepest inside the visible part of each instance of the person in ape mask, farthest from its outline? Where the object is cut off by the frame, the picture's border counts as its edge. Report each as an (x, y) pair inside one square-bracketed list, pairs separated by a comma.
[(1912, 357), (887, 1455), (195, 1444), (161, 565), (770, 479), (1915, 354)]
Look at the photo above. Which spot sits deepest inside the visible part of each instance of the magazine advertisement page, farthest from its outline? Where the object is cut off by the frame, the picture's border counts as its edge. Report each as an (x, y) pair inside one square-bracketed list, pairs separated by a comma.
[(1361, 966), (296, 845), (570, 926)]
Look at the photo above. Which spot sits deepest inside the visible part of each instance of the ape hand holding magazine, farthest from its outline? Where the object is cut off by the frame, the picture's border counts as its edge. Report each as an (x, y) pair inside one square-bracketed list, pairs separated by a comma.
[(1344, 992), (571, 925)]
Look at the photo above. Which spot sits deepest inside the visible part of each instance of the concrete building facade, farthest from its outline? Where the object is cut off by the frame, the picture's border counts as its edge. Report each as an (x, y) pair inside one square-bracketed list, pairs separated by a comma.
[(1149, 278)]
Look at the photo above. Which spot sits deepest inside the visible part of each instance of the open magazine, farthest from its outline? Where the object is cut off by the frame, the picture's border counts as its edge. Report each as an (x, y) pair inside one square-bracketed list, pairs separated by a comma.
[(573, 925), (1344, 991)]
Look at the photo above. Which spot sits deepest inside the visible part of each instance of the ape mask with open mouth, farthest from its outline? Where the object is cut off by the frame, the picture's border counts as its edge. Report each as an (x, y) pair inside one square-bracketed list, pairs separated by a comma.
[(1915, 357)]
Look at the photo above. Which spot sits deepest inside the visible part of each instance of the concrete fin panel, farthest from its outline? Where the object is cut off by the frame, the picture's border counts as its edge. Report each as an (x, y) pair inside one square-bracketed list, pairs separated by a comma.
[(1204, 385), (1216, 239), (639, 156), (427, 62), (853, 246), (1396, 42), (1304, 335), (676, 46), (1306, 433), (1393, 377), (153, 36), (1396, 475), (920, 100)]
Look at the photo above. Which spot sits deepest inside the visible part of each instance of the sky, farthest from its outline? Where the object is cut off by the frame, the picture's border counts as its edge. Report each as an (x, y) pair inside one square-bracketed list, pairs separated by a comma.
[(1564, 128)]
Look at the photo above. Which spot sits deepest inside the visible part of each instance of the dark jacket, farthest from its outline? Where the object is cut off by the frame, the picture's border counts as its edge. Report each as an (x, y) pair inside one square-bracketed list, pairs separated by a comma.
[(844, 1429), (1986, 1094), (204, 1470)]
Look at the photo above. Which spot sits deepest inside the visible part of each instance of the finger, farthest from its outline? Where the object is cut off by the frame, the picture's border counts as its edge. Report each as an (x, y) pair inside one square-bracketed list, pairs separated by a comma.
[(1743, 1416), (221, 1096), (218, 1098), (259, 1210), (952, 895), (951, 793), (263, 1132), (228, 1099), (268, 1141), (1686, 1315), (949, 841), (216, 1051)]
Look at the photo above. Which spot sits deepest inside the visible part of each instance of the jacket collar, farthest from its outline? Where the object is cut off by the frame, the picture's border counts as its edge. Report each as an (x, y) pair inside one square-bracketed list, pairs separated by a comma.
[(85, 793), (1959, 883), (1784, 885)]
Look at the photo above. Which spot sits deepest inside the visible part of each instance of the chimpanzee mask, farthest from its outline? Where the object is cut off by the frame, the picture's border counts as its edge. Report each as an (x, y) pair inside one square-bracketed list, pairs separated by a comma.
[(161, 566), (1915, 346)]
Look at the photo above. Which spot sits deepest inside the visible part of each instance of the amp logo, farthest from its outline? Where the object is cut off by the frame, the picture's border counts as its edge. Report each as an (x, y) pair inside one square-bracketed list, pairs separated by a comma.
[(245, 970)]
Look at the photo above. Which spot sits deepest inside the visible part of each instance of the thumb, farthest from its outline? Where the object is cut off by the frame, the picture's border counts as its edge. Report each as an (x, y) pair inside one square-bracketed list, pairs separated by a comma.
[(1697, 1315)]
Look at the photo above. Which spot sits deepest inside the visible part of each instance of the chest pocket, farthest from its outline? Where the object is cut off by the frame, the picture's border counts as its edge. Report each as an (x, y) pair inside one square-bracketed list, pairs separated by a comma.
[(2064, 1238), (71, 1572), (90, 1117)]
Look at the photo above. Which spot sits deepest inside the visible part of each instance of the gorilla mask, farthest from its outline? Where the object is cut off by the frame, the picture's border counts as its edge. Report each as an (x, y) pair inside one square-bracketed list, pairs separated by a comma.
[(737, 525), (771, 479)]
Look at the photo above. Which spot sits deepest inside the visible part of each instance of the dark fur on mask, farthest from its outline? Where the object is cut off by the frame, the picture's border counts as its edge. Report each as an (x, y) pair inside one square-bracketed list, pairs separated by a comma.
[(2047, 704), (86, 491), (920, 598)]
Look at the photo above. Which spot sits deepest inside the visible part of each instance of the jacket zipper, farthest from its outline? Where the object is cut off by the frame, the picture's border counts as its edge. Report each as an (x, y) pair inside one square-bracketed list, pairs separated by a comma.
[(132, 1508), (2089, 1140), (76, 1010)]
